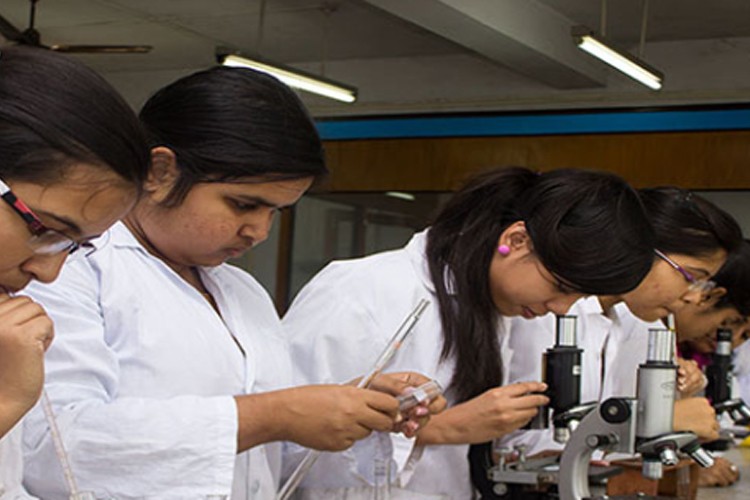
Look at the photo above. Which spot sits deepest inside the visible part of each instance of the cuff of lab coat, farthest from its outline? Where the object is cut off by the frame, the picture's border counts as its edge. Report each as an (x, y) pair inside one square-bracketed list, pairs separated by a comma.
[(224, 430)]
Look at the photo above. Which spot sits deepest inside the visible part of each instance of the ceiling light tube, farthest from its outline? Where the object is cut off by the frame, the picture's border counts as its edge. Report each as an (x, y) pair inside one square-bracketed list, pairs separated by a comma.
[(401, 195), (620, 60), (294, 78)]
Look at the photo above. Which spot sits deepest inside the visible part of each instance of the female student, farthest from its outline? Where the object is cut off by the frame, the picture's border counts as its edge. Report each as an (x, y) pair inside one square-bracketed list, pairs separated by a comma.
[(510, 243), (170, 371), (693, 239), (72, 158), (726, 306)]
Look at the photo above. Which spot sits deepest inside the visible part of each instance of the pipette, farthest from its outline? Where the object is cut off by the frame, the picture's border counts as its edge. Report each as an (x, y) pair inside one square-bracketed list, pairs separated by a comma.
[(59, 447), (385, 357)]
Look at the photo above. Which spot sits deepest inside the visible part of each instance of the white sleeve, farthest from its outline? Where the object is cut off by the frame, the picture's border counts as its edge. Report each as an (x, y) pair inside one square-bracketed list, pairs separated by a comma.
[(335, 337), (332, 330), (183, 447)]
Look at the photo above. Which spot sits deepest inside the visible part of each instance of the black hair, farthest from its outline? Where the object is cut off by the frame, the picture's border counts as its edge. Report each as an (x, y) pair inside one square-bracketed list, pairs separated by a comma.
[(587, 228), (55, 112), (225, 124), (686, 224), (734, 275)]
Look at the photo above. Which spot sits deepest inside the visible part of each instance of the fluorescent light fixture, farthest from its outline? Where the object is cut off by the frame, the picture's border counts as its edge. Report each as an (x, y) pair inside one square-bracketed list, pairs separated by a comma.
[(294, 78), (620, 60), (401, 195)]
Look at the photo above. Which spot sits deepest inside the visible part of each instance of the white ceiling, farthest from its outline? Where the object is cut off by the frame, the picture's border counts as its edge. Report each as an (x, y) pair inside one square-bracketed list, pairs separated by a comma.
[(421, 56)]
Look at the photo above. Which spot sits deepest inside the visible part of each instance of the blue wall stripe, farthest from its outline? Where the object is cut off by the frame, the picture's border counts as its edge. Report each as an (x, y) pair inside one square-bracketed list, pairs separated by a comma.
[(536, 124)]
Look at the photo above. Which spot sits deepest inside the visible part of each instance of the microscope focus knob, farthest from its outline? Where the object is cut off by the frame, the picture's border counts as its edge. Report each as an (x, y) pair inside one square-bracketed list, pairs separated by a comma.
[(597, 441), (615, 411), (668, 456)]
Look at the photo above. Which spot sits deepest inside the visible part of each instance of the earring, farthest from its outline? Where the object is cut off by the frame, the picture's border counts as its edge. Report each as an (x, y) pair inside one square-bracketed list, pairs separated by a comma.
[(503, 250)]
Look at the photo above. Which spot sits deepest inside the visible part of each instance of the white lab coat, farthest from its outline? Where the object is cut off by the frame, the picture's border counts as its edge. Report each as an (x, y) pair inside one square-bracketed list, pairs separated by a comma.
[(11, 466), (337, 326), (142, 375), (741, 361), (613, 344)]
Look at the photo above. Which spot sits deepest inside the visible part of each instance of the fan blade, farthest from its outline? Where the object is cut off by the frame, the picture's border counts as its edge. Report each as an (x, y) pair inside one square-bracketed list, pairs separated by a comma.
[(103, 49), (9, 31)]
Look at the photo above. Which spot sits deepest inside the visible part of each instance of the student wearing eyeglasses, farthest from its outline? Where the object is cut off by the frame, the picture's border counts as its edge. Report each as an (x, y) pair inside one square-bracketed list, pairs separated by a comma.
[(693, 240), (726, 306), (72, 159)]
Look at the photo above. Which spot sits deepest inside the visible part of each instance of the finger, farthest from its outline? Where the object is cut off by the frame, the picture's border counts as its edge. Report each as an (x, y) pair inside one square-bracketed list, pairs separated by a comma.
[(393, 384), (41, 330), (376, 421), (381, 402), (522, 388), (20, 311), (522, 416), (12, 303), (528, 401), (437, 405)]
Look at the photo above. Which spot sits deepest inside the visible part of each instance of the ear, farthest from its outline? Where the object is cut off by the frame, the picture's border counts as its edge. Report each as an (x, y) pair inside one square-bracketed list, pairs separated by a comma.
[(162, 174), (516, 238), (712, 297)]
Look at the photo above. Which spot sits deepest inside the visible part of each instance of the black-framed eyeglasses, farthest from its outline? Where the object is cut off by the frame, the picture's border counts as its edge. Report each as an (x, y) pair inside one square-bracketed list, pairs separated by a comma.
[(702, 285), (43, 241)]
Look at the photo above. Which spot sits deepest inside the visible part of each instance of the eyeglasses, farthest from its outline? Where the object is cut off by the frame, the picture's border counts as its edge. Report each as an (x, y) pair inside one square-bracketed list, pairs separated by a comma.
[(702, 285), (44, 241)]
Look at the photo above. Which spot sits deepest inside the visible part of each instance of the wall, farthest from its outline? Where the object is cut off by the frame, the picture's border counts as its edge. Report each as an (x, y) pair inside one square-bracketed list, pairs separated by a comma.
[(695, 160)]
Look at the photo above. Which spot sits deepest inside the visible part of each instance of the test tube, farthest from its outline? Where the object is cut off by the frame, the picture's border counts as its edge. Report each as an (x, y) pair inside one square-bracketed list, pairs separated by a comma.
[(425, 392)]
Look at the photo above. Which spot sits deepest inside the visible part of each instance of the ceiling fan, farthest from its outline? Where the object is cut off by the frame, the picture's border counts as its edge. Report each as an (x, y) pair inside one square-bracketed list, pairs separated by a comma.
[(30, 36)]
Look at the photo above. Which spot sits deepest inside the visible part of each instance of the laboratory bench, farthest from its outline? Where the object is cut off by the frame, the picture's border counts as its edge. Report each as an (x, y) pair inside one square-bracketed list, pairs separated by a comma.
[(739, 490)]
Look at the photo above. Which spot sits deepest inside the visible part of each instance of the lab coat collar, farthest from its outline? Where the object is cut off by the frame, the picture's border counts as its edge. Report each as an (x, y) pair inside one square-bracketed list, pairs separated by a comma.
[(118, 236), (416, 249)]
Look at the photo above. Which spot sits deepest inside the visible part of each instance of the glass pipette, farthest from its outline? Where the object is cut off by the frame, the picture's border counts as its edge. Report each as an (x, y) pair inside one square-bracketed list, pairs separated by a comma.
[(385, 357)]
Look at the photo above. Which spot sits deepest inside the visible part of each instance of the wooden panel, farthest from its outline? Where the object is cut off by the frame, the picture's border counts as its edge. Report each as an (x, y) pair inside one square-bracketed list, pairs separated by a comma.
[(696, 160)]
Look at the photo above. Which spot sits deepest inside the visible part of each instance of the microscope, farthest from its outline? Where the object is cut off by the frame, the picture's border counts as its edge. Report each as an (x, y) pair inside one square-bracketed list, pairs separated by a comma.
[(719, 390), (523, 478), (642, 425), (719, 375)]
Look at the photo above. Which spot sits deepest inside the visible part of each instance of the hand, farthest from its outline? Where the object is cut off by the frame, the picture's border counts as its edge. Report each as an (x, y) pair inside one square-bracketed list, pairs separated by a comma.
[(722, 473), (25, 333), (690, 378), (325, 417), (696, 415), (401, 383), (492, 414)]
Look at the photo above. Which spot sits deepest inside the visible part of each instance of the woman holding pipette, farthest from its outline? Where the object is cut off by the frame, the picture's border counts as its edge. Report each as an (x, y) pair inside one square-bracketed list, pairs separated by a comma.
[(510, 243), (72, 158), (171, 375)]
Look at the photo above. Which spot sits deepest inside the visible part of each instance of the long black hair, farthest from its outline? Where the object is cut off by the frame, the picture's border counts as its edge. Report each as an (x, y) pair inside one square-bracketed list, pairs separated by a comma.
[(226, 124), (55, 112), (587, 228), (734, 275), (687, 224)]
